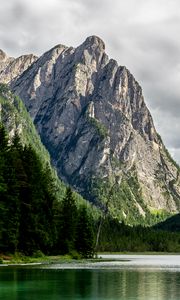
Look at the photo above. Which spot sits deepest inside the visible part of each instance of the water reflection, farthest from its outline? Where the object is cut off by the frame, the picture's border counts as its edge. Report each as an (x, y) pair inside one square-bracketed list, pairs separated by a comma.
[(76, 284)]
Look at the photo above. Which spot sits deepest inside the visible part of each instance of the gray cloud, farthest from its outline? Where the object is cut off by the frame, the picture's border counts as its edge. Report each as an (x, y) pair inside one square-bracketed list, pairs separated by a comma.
[(143, 35)]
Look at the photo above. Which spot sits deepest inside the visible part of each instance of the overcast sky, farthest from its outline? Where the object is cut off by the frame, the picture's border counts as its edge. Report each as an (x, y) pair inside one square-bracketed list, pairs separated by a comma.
[(143, 35)]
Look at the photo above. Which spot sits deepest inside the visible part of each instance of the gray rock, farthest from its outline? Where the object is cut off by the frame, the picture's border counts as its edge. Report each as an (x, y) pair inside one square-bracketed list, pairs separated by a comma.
[(11, 68)]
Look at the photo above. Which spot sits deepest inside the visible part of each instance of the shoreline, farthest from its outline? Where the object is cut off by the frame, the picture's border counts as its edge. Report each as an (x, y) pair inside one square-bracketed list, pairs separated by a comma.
[(102, 258)]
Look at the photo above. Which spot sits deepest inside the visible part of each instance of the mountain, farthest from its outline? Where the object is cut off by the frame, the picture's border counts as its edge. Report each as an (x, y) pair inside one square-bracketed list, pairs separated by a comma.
[(4, 60), (11, 68), (92, 118)]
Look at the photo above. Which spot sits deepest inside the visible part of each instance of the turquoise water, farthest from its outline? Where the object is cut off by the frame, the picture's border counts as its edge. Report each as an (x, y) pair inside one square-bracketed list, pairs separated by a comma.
[(30, 283)]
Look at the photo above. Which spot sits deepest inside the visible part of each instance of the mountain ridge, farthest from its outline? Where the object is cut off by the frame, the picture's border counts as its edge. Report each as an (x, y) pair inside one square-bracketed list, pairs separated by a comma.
[(11, 67)]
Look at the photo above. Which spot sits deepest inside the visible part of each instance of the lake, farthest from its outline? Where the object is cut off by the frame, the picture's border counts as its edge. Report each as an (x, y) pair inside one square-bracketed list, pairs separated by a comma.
[(127, 277)]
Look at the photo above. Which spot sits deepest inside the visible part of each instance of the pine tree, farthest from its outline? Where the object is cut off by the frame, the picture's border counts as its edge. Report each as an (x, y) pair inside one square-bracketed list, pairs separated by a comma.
[(67, 223), (9, 196), (3, 139), (46, 227), (27, 195), (32, 197), (37, 197), (3, 186), (85, 236), (3, 149)]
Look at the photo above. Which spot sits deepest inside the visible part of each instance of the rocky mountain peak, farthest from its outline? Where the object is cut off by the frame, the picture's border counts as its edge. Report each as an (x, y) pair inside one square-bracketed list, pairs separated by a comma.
[(54, 52), (3, 55), (12, 68), (91, 53), (4, 60), (94, 42), (91, 115)]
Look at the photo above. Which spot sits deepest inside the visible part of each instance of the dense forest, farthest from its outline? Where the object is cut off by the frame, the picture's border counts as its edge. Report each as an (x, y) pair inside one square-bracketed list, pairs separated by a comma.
[(33, 219), (171, 224), (117, 236)]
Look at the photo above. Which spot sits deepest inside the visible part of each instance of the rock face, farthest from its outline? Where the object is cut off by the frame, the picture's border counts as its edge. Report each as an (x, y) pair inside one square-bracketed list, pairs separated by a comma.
[(91, 116), (4, 60), (11, 68)]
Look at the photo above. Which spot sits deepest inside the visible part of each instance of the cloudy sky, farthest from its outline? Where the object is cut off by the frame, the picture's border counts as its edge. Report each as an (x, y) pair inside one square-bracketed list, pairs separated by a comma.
[(143, 35)]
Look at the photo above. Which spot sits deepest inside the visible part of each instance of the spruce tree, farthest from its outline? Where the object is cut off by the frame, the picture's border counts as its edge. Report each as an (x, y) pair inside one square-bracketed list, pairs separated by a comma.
[(27, 195), (67, 224), (37, 197), (3, 186), (84, 236), (9, 196), (46, 227)]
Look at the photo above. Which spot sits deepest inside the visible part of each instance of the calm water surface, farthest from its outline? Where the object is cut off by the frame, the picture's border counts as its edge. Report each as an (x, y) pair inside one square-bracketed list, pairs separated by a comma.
[(134, 278)]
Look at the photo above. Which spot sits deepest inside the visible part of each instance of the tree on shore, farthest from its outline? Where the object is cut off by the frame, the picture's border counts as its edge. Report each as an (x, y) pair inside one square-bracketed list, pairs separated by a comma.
[(84, 236), (67, 223)]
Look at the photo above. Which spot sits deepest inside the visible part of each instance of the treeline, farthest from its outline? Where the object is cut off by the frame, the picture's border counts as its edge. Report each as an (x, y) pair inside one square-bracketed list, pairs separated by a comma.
[(31, 217), (117, 237), (171, 224)]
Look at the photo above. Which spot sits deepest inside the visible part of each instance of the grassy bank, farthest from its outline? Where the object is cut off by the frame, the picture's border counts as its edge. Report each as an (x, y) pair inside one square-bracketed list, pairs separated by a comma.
[(22, 259)]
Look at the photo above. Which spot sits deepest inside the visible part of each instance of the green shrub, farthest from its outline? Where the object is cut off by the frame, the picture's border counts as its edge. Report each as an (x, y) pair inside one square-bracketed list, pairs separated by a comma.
[(75, 255), (38, 254)]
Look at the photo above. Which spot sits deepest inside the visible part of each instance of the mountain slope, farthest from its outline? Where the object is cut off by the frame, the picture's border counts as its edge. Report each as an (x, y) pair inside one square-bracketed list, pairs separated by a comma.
[(33, 219), (16, 119), (91, 116)]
